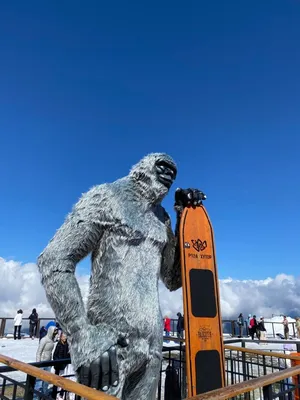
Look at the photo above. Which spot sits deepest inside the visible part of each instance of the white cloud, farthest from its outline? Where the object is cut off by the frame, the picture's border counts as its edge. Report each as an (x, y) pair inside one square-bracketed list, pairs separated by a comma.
[(20, 288)]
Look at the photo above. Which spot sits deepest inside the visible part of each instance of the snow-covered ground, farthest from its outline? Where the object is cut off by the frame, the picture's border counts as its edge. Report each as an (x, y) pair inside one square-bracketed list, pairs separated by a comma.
[(25, 349), (22, 350), (279, 346)]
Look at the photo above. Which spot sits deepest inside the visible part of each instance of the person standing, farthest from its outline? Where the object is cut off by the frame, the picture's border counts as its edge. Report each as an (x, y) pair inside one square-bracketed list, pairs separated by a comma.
[(44, 353), (180, 325), (261, 328), (253, 327), (298, 327), (167, 326), (286, 327), (18, 324), (50, 323), (61, 352), (33, 320), (240, 322), (248, 324)]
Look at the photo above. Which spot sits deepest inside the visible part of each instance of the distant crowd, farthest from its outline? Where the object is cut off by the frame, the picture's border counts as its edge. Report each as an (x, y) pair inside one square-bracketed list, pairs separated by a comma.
[(179, 326), (256, 328), (53, 345), (34, 317), (252, 326), (33, 320)]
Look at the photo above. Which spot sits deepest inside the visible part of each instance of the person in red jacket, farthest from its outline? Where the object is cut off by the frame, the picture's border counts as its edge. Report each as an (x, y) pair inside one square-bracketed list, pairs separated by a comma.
[(167, 325), (253, 327)]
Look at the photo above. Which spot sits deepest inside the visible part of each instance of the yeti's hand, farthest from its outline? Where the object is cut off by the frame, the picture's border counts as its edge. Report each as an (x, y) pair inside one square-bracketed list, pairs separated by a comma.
[(94, 356), (188, 198)]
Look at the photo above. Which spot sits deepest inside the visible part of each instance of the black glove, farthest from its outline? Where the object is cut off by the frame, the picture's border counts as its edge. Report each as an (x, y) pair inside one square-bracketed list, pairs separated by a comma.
[(103, 371), (188, 198)]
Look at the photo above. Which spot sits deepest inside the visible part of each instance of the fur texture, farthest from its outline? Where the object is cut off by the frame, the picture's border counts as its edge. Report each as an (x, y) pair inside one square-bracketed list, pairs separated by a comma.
[(129, 235)]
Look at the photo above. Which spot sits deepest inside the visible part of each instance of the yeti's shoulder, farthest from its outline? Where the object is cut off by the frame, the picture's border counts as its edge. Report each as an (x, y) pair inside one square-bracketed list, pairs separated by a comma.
[(97, 196), (103, 198)]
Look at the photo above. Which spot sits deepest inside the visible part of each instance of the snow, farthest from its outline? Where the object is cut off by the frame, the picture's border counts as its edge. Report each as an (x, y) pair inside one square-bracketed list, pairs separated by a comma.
[(22, 350), (25, 350), (280, 346)]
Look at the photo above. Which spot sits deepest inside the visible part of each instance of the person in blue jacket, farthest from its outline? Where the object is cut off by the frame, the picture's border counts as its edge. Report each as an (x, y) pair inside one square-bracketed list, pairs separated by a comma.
[(50, 323)]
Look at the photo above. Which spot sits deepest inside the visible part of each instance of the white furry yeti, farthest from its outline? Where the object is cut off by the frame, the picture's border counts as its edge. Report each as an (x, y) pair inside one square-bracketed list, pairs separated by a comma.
[(116, 343)]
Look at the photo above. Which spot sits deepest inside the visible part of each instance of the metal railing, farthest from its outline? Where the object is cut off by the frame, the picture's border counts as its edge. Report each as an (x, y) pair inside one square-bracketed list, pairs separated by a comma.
[(274, 386), (230, 327), (6, 325), (12, 389), (173, 372), (242, 365)]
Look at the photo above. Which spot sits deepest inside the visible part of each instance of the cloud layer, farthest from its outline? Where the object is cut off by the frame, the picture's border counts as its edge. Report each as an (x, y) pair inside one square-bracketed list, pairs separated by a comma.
[(20, 288)]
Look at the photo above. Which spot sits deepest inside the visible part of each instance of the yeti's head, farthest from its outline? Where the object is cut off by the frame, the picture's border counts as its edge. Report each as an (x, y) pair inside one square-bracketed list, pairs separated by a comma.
[(154, 175)]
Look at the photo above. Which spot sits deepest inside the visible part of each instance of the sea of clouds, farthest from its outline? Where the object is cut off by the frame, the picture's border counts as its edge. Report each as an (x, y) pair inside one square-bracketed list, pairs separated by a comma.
[(20, 287)]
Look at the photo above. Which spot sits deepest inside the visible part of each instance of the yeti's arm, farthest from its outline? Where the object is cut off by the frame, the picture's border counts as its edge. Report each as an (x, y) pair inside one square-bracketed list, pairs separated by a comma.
[(76, 238), (171, 268)]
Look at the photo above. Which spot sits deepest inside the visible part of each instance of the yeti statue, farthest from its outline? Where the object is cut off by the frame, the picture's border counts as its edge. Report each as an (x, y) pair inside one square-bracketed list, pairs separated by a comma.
[(116, 342)]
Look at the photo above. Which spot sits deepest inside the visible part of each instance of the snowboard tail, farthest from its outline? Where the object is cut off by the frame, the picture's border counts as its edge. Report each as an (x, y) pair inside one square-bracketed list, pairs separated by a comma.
[(201, 300)]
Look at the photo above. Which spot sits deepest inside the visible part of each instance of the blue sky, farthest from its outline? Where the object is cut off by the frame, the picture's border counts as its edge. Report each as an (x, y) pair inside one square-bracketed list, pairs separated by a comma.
[(89, 88)]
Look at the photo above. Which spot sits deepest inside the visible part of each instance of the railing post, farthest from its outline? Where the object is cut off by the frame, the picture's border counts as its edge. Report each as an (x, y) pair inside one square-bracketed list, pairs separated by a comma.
[(54, 388), (14, 394), (273, 330), (29, 387), (2, 327), (159, 384), (231, 371), (183, 374), (3, 388), (244, 365), (38, 327), (267, 392), (233, 328), (264, 365), (297, 389)]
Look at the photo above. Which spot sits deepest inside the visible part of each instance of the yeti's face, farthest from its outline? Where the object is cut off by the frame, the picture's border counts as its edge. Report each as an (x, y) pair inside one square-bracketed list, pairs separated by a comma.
[(166, 172), (154, 175)]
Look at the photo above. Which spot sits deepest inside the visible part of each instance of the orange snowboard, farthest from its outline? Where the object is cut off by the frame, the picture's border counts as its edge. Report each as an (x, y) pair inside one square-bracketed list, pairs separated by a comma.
[(201, 300)]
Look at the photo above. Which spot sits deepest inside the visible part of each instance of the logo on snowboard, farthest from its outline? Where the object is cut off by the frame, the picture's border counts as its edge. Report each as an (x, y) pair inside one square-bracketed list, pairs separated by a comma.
[(199, 245), (204, 333)]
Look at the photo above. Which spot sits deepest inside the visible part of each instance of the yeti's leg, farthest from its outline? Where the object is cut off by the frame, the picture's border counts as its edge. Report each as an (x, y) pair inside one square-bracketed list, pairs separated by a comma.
[(143, 383)]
